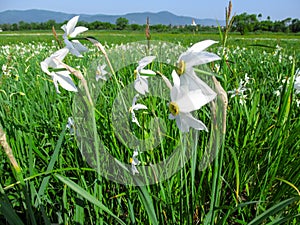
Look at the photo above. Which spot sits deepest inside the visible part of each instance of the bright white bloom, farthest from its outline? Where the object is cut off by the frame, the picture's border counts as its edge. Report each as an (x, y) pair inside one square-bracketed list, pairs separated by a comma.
[(4, 68), (217, 68), (297, 81), (60, 76), (239, 92), (135, 106), (280, 58), (298, 102), (278, 47), (183, 102), (70, 125), (101, 73), (141, 82), (75, 47), (247, 79), (194, 56), (297, 85), (134, 162), (278, 91)]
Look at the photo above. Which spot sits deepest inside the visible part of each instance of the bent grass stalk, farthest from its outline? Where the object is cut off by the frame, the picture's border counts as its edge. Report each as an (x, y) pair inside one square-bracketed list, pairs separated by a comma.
[(9, 153)]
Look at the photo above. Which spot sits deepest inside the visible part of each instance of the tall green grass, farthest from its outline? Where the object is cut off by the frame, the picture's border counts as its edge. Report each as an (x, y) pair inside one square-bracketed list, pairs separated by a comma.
[(256, 173)]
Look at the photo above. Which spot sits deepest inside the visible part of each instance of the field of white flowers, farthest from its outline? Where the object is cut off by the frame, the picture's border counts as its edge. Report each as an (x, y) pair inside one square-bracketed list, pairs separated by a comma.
[(149, 132)]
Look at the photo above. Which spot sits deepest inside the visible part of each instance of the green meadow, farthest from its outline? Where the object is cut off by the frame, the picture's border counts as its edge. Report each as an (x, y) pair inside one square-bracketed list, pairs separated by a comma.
[(253, 179), (118, 37)]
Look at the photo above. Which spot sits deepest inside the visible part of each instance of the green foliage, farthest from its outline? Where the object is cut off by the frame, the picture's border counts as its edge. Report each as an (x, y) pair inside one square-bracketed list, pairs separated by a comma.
[(245, 23), (121, 23)]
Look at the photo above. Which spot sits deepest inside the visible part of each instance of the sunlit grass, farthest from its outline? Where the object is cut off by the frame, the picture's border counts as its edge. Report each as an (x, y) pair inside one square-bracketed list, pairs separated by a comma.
[(261, 147)]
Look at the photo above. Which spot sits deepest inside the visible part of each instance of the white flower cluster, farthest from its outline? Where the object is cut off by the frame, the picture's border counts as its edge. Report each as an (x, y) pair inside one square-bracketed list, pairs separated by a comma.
[(240, 90), (53, 66), (296, 84), (187, 94)]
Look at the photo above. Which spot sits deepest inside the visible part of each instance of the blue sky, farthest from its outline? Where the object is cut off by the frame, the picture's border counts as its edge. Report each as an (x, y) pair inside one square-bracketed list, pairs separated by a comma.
[(276, 9)]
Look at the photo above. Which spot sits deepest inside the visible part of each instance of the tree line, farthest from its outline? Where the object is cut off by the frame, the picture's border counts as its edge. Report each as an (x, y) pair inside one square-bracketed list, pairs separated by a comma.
[(120, 24), (243, 23)]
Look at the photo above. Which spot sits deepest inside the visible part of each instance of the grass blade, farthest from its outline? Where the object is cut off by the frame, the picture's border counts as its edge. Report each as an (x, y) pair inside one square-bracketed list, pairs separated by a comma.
[(271, 211), (9, 213), (148, 204), (50, 167), (79, 190), (282, 220)]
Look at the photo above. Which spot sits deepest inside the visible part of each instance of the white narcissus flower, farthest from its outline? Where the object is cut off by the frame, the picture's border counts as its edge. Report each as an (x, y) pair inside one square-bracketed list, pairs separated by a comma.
[(183, 102), (4, 68), (241, 89), (238, 91), (194, 56), (247, 78), (101, 73), (141, 82), (134, 162), (277, 92), (70, 125), (135, 106), (59, 75), (75, 47)]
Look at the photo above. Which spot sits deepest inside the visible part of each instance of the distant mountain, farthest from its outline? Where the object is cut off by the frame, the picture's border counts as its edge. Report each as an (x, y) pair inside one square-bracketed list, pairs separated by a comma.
[(164, 17)]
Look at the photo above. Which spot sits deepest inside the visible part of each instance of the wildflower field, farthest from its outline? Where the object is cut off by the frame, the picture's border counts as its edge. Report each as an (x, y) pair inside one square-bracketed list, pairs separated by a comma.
[(253, 135)]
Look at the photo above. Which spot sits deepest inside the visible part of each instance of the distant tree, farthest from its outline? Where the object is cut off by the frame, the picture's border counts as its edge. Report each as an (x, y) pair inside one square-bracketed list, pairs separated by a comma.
[(96, 25), (244, 23), (266, 25), (14, 26), (6, 27), (259, 16), (121, 23), (159, 28), (24, 26), (35, 26), (48, 25), (287, 21), (135, 26), (108, 26), (82, 23), (295, 26), (278, 26)]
